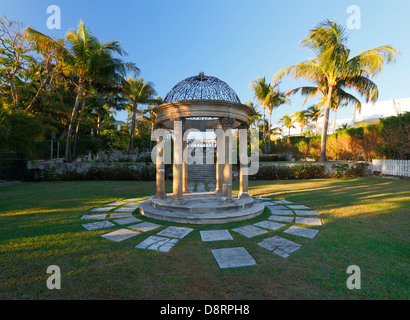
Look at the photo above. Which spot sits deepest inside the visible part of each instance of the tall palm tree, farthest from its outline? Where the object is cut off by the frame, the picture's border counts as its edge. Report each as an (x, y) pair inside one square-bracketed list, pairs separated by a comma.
[(150, 117), (314, 112), (301, 117), (254, 116), (287, 122), (261, 91), (274, 99), (138, 92), (333, 68), (89, 60)]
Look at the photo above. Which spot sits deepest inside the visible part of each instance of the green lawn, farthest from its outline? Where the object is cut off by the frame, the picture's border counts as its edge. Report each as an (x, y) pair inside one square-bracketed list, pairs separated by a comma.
[(366, 223)]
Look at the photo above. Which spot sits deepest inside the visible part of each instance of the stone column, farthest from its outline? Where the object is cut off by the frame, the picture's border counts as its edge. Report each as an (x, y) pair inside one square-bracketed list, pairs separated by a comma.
[(243, 178), (227, 166), (243, 182), (184, 170), (160, 174), (177, 165), (219, 175)]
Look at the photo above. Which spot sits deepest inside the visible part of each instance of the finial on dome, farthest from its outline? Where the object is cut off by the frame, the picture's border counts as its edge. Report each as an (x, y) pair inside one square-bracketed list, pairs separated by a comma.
[(202, 73)]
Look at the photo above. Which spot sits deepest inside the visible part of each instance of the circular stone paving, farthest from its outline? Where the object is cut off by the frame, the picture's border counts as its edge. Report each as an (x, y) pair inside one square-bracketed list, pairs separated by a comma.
[(286, 218)]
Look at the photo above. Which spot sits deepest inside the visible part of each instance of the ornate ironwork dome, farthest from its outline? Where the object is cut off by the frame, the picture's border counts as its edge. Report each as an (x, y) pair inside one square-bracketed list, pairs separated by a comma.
[(202, 87)]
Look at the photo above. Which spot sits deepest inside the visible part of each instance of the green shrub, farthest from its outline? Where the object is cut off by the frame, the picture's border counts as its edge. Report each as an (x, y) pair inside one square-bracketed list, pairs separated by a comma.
[(271, 157), (146, 173), (343, 170), (305, 171)]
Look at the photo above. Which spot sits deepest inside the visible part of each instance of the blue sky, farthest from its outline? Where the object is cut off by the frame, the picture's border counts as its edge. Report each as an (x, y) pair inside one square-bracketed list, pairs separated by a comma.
[(234, 40)]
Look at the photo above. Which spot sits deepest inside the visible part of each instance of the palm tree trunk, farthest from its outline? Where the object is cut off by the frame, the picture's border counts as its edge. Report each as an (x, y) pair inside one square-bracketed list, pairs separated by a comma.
[(325, 125), (70, 127), (270, 118), (77, 130), (264, 129), (316, 127), (334, 124), (133, 120), (98, 124)]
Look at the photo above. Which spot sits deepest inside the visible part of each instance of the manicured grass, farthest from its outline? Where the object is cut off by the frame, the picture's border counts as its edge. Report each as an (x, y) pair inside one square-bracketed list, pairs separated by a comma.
[(366, 223)]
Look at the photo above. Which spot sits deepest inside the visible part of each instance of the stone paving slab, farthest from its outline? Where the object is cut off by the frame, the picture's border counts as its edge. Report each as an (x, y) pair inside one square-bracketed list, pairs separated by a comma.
[(302, 232), (132, 204), (105, 209), (306, 213), (276, 207), (157, 244), (215, 235), (233, 258), (250, 231), (124, 210), (175, 232), (269, 225), (145, 226), (117, 215), (309, 221), (94, 216), (297, 206), (280, 246), (280, 212), (117, 203), (134, 200), (281, 218), (98, 225), (127, 220), (119, 235), (282, 202)]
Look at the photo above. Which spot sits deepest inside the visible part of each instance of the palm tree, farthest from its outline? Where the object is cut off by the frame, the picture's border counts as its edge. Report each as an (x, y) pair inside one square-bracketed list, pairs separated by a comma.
[(89, 60), (274, 99), (150, 117), (287, 122), (254, 116), (333, 69), (301, 117), (314, 113), (138, 92), (261, 91)]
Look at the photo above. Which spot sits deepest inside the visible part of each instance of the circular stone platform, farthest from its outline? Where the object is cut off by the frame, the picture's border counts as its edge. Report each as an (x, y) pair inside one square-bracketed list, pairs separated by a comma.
[(201, 208)]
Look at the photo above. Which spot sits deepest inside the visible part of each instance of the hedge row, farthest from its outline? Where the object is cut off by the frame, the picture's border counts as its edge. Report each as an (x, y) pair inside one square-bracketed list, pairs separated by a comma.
[(307, 171)]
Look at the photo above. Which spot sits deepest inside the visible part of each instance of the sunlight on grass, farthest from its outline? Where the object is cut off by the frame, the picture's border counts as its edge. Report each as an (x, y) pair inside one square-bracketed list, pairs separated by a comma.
[(365, 222)]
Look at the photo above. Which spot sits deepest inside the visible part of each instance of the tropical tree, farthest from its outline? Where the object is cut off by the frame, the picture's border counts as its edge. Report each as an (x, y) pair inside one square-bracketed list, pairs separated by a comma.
[(14, 59), (314, 112), (274, 99), (52, 52), (334, 70), (261, 91), (301, 117), (89, 60), (287, 122), (254, 116), (151, 118), (137, 92)]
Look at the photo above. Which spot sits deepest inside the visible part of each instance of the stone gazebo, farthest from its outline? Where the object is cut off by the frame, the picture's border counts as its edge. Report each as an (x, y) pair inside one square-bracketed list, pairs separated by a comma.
[(201, 102)]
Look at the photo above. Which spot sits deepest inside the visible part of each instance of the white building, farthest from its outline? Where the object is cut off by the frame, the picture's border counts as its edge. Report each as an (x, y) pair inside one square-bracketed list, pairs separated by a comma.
[(371, 113)]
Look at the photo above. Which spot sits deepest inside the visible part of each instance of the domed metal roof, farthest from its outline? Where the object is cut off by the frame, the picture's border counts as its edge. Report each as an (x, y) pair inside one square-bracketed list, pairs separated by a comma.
[(202, 87)]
